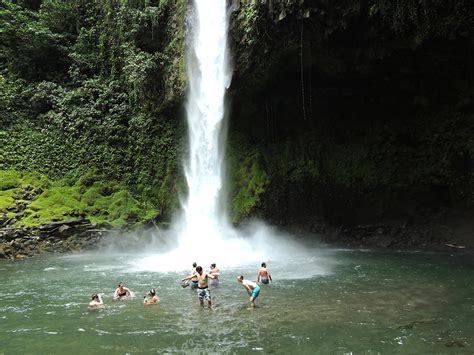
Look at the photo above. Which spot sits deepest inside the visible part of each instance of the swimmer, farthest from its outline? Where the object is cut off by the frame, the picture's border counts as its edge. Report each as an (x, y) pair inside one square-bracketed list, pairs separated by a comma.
[(252, 288), (214, 271), (264, 275), (96, 302), (202, 288), (151, 297), (121, 291)]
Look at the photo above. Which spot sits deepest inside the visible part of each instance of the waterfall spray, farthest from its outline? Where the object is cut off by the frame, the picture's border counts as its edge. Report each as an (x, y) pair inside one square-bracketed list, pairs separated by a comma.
[(204, 229), (204, 232)]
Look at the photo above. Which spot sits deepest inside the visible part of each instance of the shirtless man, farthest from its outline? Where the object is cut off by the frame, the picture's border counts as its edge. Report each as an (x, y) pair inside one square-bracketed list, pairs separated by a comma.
[(252, 288), (151, 297), (121, 291), (214, 272), (96, 302), (202, 288), (264, 275)]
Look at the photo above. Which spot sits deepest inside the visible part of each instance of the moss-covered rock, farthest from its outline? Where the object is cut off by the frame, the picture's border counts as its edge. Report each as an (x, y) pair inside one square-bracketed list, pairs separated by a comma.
[(89, 197), (248, 179), (362, 111)]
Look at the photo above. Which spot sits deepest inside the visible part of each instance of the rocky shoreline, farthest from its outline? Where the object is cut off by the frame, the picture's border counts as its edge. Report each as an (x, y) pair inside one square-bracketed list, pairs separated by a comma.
[(446, 232), (54, 237), (396, 238), (453, 233)]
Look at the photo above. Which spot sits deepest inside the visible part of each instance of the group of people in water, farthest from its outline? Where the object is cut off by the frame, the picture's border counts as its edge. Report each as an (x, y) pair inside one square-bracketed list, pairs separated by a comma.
[(120, 292), (198, 280)]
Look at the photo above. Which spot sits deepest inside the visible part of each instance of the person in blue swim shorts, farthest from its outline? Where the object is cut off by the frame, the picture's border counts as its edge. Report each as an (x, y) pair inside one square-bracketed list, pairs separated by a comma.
[(252, 288)]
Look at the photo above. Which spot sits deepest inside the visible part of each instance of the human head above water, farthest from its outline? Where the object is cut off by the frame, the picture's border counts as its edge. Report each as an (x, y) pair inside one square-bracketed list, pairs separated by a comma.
[(213, 265), (240, 278), (94, 296), (199, 269), (264, 264), (152, 292), (194, 264)]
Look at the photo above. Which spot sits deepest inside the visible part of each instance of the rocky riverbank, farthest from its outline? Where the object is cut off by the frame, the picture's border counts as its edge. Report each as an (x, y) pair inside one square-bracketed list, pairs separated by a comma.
[(54, 237), (453, 231)]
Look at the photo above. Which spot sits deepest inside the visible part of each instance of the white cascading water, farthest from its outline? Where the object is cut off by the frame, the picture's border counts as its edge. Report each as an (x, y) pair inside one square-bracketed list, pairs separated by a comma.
[(209, 76), (204, 233)]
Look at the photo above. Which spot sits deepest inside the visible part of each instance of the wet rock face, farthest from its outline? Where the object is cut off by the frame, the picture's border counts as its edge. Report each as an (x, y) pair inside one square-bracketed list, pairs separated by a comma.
[(54, 237), (362, 109)]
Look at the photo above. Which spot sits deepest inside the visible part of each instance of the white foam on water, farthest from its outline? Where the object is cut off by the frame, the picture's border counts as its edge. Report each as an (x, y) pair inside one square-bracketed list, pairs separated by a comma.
[(292, 259)]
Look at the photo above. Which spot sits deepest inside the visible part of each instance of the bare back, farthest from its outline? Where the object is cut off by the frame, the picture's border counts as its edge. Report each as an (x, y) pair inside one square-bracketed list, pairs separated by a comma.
[(249, 283), (263, 272)]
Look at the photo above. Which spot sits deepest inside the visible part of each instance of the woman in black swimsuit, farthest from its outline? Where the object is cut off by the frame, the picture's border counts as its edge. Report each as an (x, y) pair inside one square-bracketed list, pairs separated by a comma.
[(121, 291)]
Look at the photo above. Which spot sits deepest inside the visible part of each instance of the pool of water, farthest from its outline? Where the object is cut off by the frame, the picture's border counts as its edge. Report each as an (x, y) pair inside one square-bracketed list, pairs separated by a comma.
[(338, 302)]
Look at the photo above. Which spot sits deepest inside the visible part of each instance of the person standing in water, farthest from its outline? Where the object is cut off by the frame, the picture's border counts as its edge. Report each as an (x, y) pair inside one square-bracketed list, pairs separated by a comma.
[(151, 297), (194, 279), (121, 291), (264, 275), (214, 272), (252, 288), (96, 302), (202, 287)]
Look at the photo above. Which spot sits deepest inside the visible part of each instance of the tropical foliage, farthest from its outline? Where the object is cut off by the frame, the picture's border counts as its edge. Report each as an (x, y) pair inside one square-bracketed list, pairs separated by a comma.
[(94, 85)]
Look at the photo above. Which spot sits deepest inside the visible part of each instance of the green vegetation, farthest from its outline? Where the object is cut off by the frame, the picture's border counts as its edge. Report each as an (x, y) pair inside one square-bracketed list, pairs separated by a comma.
[(248, 180), (347, 100), (361, 109), (33, 199), (93, 85)]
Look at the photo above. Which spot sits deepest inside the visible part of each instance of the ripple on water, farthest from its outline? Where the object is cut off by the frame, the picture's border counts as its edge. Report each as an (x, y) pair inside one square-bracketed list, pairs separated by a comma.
[(51, 333), (368, 305), (140, 332), (101, 331), (24, 330), (15, 309)]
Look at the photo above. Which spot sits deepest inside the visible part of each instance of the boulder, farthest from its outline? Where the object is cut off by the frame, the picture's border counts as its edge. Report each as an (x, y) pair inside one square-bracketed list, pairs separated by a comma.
[(5, 251), (63, 228)]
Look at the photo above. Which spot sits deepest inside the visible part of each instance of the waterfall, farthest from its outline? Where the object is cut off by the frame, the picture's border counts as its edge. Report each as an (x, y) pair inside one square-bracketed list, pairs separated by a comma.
[(209, 76), (203, 232)]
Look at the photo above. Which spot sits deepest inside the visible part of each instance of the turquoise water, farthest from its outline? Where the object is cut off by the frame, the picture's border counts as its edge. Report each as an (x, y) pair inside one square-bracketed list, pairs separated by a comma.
[(359, 302)]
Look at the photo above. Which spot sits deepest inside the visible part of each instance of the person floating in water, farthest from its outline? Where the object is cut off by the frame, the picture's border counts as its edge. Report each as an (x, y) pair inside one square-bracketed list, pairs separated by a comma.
[(252, 288), (151, 297), (121, 291), (214, 272), (202, 287), (96, 302), (264, 275)]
